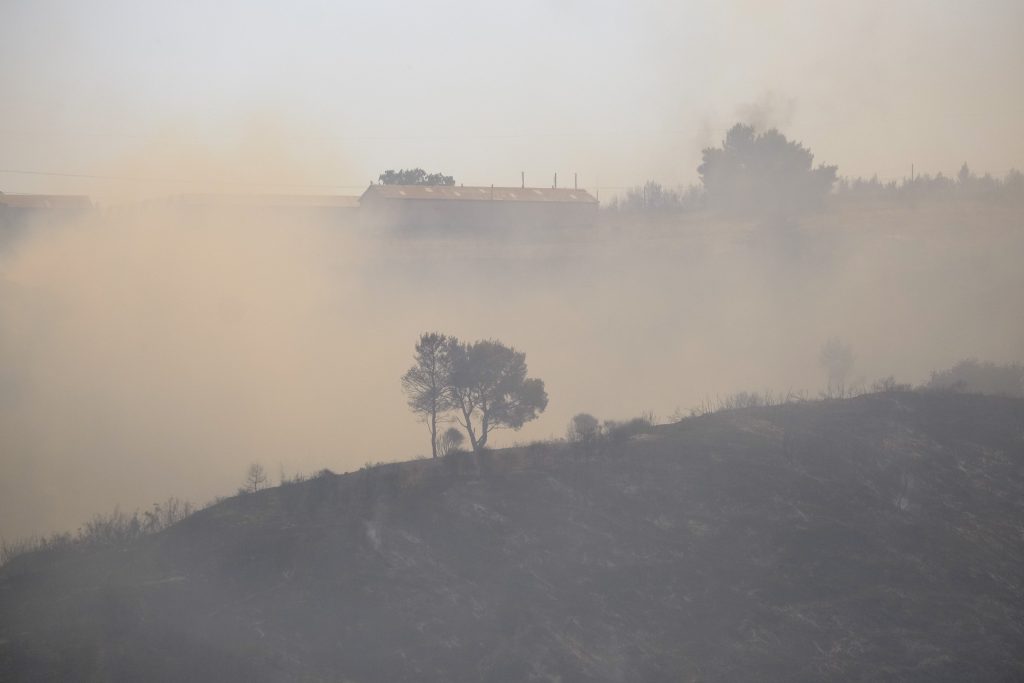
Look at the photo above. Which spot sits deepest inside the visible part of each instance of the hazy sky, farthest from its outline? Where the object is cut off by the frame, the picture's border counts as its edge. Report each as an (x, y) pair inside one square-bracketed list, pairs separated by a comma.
[(618, 91)]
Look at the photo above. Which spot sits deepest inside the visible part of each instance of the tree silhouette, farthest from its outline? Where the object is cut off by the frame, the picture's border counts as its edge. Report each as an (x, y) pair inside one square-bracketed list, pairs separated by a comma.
[(583, 428), (763, 173), (426, 383), (255, 478), (414, 176), (490, 389), (836, 358)]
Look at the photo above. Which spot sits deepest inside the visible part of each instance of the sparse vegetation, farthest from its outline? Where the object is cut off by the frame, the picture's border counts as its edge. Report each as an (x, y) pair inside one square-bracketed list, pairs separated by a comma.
[(976, 377), (889, 385), (114, 529), (808, 511), (653, 197), (746, 399)]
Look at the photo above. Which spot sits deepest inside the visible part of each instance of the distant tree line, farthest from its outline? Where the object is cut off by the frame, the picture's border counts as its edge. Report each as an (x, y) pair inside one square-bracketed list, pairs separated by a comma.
[(766, 174), (924, 187), (654, 198), (482, 386)]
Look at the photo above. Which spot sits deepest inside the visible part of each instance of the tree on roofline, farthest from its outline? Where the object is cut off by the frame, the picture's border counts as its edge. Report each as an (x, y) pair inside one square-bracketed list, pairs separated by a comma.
[(414, 176)]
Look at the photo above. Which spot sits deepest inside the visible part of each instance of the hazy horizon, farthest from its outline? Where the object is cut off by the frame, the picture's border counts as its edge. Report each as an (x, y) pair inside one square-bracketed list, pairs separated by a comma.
[(325, 96)]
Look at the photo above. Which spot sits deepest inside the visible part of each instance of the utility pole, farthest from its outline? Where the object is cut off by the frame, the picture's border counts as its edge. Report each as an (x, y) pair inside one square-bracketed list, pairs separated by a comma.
[(522, 176)]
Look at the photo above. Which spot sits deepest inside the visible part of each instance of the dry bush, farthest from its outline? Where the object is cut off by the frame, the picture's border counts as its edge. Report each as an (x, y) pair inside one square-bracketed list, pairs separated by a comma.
[(977, 377), (888, 385)]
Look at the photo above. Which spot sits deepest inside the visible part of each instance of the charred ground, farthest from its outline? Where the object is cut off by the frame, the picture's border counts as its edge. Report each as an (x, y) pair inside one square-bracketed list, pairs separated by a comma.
[(878, 538)]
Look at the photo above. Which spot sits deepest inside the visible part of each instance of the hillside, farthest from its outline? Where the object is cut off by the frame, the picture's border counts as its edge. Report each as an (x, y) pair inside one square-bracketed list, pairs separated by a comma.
[(874, 539)]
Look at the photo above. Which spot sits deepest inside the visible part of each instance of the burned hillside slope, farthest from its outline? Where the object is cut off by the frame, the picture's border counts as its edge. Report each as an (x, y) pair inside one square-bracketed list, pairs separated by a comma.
[(879, 538)]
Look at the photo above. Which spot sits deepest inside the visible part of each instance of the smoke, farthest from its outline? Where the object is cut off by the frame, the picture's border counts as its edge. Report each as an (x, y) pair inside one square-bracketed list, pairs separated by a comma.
[(770, 110), (158, 349)]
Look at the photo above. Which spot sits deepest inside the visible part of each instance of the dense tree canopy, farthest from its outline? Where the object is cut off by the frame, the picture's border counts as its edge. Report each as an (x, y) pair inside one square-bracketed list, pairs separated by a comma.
[(491, 390), (763, 173), (414, 176)]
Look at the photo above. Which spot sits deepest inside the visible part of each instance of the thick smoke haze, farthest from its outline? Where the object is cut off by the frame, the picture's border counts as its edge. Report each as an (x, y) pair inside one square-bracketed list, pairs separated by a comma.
[(154, 350), (277, 280), (158, 350)]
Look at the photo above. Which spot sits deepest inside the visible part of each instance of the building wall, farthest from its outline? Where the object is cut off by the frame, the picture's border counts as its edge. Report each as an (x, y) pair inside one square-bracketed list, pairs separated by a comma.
[(476, 215)]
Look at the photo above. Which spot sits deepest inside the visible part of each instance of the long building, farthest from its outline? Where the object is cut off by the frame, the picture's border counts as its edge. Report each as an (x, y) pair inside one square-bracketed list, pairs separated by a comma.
[(404, 207), (475, 208)]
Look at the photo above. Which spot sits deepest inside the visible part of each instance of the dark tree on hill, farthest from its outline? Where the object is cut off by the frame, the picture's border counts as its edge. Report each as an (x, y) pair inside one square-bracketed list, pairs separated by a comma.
[(583, 429), (763, 173), (490, 389), (255, 478), (426, 383), (414, 176)]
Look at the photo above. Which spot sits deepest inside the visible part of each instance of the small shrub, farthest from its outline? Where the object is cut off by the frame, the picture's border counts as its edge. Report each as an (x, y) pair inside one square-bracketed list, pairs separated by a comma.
[(620, 431), (887, 385), (584, 428), (296, 478), (746, 399), (451, 440)]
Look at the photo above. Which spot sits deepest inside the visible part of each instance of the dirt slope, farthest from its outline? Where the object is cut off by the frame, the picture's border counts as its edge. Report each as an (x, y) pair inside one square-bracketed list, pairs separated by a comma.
[(875, 539)]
